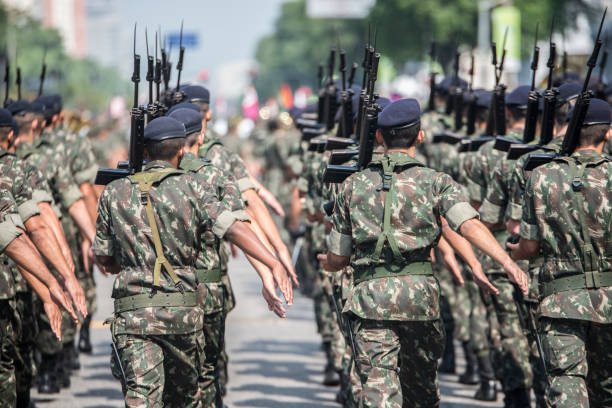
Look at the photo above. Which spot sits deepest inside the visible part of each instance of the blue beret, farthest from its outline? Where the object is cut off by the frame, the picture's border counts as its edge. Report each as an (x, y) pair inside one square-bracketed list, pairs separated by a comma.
[(190, 119), (518, 97), (37, 107), (568, 91), (184, 105), (6, 119), (444, 86), (163, 128), (196, 93), (20, 106), (401, 113), (483, 98), (598, 113), (311, 108)]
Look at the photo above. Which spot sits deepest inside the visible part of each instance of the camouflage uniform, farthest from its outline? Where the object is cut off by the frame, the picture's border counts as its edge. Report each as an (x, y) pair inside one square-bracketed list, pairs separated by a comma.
[(572, 226), (211, 290), (230, 162), (394, 304), (511, 353), (153, 341)]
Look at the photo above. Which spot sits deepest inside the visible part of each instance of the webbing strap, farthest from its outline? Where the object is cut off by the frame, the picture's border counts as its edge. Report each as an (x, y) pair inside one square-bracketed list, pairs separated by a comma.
[(589, 257), (587, 280), (389, 270), (145, 182), (387, 232), (208, 275), (186, 299)]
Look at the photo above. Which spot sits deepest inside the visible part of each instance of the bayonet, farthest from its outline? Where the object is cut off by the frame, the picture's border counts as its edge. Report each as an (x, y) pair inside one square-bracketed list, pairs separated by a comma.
[(43, 72), (179, 65)]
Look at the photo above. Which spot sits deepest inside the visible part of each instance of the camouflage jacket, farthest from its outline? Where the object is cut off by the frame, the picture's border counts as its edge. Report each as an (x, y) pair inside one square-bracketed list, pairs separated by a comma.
[(79, 151), (10, 228), (211, 293), (519, 177), (551, 217), (439, 156), (420, 196), (186, 207)]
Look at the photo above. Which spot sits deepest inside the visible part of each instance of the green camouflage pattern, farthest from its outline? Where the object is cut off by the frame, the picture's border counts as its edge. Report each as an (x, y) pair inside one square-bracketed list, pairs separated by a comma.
[(161, 370), (579, 363), (225, 159), (382, 347), (186, 206), (550, 216), (421, 196), (8, 354), (25, 365)]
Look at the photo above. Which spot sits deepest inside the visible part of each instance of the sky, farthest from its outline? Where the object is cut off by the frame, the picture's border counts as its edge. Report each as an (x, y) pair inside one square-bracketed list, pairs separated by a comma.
[(228, 32)]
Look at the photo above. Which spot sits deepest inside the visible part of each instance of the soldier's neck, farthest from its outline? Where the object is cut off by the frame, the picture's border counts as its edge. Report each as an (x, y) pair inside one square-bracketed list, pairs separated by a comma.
[(193, 149), (598, 148), (409, 151)]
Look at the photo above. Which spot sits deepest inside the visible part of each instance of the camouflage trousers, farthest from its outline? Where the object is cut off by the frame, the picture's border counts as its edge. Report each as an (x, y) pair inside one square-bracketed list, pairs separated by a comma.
[(397, 362), (86, 280), (8, 353), (479, 324), (160, 370), (454, 305), (510, 353), (579, 363), (46, 342), (25, 367), (214, 334), (323, 309)]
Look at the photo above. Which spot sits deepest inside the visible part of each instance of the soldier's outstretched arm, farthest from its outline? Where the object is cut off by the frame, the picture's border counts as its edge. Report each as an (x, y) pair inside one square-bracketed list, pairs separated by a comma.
[(267, 224), (448, 256), (24, 253), (44, 240), (480, 236), (50, 218), (91, 200), (465, 251), (78, 212), (267, 196)]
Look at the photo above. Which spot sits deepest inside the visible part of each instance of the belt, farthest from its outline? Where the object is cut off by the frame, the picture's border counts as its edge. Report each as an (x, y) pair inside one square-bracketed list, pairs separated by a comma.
[(208, 275), (587, 280), (174, 299), (389, 270)]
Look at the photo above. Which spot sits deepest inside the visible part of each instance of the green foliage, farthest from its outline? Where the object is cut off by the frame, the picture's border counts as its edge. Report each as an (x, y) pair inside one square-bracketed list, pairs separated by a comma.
[(67, 76)]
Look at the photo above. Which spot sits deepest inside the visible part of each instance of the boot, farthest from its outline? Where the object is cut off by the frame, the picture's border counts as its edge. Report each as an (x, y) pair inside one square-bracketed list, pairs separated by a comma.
[(47, 383), (84, 339), (488, 389), (518, 398), (470, 376), (447, 366), (331, 378), (24, 400), (73, 352), (61, 370)]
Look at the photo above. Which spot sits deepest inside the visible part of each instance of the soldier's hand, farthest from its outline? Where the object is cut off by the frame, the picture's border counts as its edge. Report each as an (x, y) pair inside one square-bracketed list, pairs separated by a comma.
[(55, 318), (59, 297), (453, 266), (285, 258), (275, 304), (281, 279), (76, 293), (481, 280), (517, 276)]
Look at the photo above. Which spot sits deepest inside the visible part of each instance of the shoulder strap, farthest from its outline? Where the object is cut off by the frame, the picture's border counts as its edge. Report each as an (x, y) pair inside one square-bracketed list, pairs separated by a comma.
[(193, 165), (388, 183), (145, 181), (589, 257), (208, 143)]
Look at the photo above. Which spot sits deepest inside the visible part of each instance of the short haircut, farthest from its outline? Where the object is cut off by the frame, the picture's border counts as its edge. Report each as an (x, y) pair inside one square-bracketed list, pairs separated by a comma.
[(24, 121), (482, 115), (593, 135), (517, 114), (164, 150), (561, 113), (401, 138), (192, 138), (204, 106), (4, 132)]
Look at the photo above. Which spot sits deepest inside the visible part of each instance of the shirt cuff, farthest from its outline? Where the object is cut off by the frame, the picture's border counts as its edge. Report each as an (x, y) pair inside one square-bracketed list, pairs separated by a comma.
[(475, 191), (491, 213), (245, 184), (10, 228), (40, 196), (28, 209), (460, 213), (86, 176), (529, 231), (223, 223), (516, 211), (70, 196), (241, 215), (102, 247), (340, 244)]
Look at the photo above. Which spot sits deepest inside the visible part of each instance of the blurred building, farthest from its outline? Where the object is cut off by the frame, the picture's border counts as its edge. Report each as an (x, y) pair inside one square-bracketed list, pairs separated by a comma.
[(104, 31), (69, 17)]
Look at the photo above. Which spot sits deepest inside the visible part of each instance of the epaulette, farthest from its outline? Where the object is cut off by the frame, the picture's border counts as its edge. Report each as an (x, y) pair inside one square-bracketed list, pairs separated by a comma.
[(193, 165)]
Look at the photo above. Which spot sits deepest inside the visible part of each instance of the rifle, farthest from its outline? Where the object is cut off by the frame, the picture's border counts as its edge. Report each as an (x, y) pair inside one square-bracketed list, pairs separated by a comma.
[(365, 62), (342, 130), (352, 75), (472, 101), (431, 105), (178, 95), (601, 86), (534, 96), (330, 104), (451, 91), (7, 83), (134, 164), (43, 73), (320, 96), (457, 97), (150, 77), (572, 134), (164, 65)]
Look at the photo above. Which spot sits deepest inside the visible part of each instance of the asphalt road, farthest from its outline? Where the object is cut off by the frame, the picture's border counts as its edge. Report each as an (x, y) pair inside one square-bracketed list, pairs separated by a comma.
[(273, 362)]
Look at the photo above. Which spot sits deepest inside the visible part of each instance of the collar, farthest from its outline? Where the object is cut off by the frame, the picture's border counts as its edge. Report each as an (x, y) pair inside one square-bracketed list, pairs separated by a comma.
[(190, 156), (588, 156), (157, 165), (400, 159)]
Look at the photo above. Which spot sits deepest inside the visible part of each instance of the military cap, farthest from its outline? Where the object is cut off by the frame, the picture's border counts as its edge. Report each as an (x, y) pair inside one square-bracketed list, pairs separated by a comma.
[(37, 107), (183, 105), (6, 119), (518, 97), (444, 86), (196, 93), (19, 107), (598, 113), (163, 128), (190, 119), (402, 113), (483, 98), (568, 91)]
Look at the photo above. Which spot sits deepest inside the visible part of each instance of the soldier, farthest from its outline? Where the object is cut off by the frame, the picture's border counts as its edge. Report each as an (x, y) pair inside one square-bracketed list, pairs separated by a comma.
[(149, 232), (566, 215), (394, 303)]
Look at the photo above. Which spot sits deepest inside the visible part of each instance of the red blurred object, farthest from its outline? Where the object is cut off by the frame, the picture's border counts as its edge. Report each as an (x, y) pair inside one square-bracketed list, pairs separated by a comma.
[(286, 96), (203, 75)]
